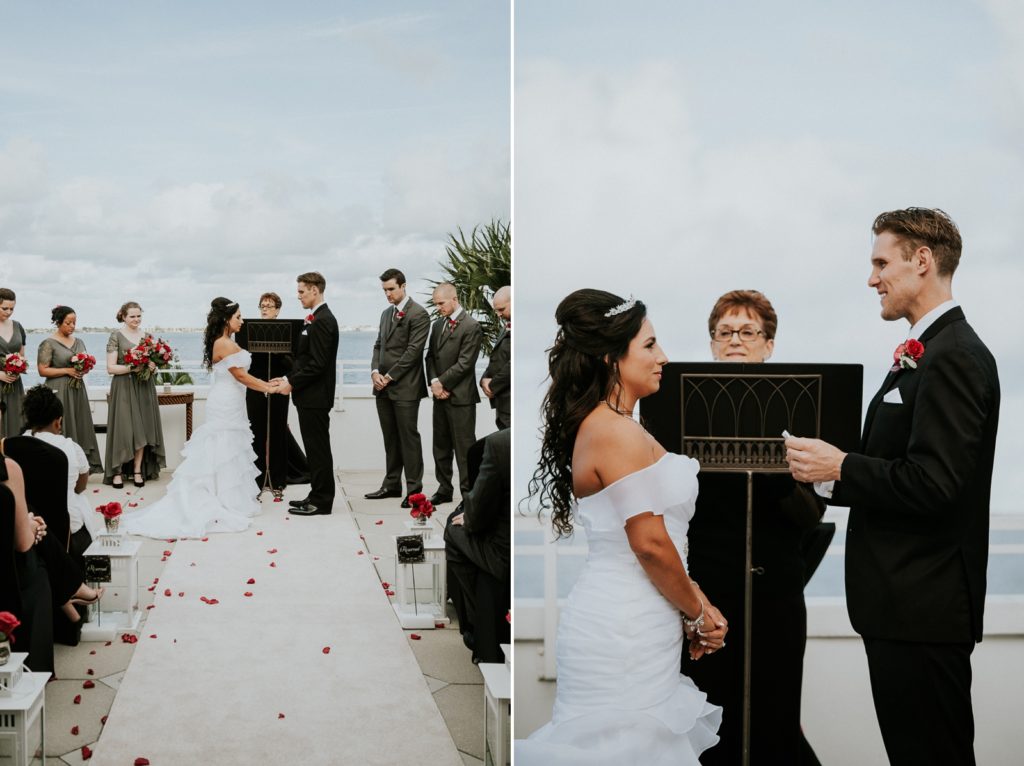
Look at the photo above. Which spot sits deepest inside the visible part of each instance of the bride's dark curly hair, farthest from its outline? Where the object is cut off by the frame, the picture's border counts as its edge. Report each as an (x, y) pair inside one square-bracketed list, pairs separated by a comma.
[(583, 369), (221, 310)]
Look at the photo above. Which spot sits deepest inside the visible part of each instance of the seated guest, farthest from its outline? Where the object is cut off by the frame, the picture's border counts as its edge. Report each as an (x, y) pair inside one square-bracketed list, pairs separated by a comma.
[(24, 586), (477, 548), (41, 464), (43, 415)]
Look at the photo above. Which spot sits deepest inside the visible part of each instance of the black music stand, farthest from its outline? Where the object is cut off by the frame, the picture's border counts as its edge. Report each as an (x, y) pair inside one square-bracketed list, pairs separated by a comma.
[(269, 336), (730, 418)]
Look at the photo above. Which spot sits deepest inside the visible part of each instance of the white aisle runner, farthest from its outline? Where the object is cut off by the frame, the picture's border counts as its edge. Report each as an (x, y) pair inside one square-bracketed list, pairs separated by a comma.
[(247, 680)]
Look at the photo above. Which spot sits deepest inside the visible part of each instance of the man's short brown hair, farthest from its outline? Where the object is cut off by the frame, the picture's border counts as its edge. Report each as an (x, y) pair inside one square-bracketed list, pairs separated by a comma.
[(313, 279), (924, 227)]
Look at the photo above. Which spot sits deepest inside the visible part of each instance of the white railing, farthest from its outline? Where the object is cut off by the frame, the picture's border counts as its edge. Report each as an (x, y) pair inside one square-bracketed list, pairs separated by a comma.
[(536, 619)]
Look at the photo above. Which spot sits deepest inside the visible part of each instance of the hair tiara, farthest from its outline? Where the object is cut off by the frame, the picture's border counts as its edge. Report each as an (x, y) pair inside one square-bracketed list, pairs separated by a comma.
[(622, 308)]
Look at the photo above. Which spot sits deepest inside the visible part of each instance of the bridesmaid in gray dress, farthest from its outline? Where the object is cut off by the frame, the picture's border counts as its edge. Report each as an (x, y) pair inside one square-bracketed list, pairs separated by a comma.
[(54, 364), (134, 433), (12, 340)]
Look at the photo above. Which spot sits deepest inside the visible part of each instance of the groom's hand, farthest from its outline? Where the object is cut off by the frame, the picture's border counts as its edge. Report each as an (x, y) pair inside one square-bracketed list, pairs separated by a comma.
[(485, 384), (813, 460), (283, 388), (378, 381)]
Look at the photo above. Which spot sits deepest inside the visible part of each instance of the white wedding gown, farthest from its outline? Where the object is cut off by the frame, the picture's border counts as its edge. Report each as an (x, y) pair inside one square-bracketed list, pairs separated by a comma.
[(620, 697), (214, 488)]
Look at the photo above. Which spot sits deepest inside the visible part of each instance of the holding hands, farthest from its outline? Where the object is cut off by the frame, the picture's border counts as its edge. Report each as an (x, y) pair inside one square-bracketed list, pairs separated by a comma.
[(278, 386), (705, 632)]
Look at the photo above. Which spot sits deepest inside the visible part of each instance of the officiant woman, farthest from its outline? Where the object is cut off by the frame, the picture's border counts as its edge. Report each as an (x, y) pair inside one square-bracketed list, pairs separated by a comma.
[(742, 327)]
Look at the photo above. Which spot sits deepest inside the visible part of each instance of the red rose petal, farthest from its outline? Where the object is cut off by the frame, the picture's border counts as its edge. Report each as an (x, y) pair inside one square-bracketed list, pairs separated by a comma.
[(141, 762), (74, 731), (359, 553), (251, 581), (93, 652), (272, 550), (167, 553), (415, 636), (167, 591), (278, 499), (156, 580), (164, 558), (379, 522), (103, 721), (129, 638), (77, 700), (152, 635), (86, 753), (376, 558), (439, 625), (133, 505), (390, 592), (280, 716), (213, 601), (95, 491), (260, 533), (273, 564), (385, 585), (248, 594), (90, 672), (88, 684), (204, 599), (205, 539), (151, 588), (150, 607), (108, 643), (327, 650), (362, 537), (181, 594)]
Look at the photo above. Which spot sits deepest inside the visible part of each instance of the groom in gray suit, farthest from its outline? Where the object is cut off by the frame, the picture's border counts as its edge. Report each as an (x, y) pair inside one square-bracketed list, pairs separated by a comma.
[(455, 339), (398, 385)]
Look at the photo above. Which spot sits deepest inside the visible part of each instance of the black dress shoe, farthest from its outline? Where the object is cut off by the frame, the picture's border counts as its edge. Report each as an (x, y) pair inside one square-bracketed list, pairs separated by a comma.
[(298, 503), (406, 503), (381, 493), (439, 499), (310, 510)]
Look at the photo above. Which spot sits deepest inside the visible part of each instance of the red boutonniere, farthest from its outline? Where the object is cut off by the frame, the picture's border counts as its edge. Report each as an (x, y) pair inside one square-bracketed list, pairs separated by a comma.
[(309, 318), (907, 355), (399, 314)]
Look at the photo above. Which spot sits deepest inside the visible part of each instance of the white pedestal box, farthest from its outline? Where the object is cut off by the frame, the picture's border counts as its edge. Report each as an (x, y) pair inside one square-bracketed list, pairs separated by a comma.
[(410, 612), (497, 713), (10, 673), (118, 608), (18, 715)]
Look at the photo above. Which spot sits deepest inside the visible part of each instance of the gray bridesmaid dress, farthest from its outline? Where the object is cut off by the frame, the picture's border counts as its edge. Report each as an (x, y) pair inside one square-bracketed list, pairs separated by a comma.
[(133, 420), (11, 425), (78, 425)]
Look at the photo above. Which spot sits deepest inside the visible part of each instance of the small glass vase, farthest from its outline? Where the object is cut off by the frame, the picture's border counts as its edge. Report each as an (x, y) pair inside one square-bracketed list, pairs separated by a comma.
[(5, 650), (112, 524), (420, 521)]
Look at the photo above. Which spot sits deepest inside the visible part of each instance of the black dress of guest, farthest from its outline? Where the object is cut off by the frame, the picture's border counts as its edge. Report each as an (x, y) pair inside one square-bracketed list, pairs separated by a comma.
[(287, 461), (783, 511)]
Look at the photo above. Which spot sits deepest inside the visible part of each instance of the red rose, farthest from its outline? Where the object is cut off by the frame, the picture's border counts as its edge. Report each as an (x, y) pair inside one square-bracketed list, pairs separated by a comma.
[(915, 349), (8, 622), (309, 318)]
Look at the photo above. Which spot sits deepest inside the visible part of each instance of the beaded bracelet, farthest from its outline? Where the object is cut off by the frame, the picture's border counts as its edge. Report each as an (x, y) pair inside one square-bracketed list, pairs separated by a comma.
[(697, 622)]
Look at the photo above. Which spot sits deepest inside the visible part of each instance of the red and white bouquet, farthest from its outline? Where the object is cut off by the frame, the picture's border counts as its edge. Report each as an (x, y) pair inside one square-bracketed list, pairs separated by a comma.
[(422, 509), (82, 363), (137, 359), (156, 351), (14, 364), (161, 354)]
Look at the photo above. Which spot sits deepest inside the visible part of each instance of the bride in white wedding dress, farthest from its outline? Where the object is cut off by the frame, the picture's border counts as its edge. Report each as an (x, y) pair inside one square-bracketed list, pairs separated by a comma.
[(214, 487), (620, 697)]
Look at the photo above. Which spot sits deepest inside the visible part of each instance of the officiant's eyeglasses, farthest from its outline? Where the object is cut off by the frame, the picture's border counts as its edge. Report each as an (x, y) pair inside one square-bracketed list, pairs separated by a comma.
[(747, 334), (267, 306)]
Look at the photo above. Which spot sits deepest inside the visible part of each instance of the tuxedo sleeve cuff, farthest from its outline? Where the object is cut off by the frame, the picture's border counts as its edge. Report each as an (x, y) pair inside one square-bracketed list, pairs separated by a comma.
[(824, 488)]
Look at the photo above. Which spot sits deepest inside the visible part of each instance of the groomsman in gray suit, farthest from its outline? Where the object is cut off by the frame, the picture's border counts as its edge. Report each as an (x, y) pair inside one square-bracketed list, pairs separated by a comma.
[(398, 385), (451, 360), (497, 378)]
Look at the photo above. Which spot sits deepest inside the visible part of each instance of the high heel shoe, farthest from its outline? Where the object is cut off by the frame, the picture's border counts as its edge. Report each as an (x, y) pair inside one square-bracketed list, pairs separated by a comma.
[(117, 482), (139, 482), (87, 601)]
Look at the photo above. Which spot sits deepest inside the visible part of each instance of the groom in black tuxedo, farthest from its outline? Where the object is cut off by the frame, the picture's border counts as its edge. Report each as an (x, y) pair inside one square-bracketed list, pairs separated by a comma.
[(311, 383), (918, 493)]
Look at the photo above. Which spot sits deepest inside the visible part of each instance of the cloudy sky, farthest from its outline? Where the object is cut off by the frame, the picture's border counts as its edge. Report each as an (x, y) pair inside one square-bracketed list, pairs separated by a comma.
[(686, 149), (172, 152)]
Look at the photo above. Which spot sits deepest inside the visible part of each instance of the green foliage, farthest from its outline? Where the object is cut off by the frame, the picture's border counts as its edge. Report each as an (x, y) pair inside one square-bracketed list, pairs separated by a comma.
[(478, 266), (173, 375)]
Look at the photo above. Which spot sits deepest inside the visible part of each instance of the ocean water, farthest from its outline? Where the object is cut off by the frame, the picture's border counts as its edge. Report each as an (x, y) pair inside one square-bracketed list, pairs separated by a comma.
[(354, 346)]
